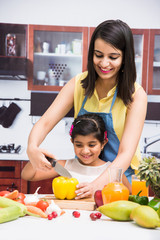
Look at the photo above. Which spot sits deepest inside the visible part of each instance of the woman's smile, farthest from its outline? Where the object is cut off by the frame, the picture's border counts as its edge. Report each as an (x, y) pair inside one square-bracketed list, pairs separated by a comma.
[(105, 71)]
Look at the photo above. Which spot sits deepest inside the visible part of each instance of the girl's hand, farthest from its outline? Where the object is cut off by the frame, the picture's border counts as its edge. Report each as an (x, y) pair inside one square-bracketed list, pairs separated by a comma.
[(84, 190), (38, 160)]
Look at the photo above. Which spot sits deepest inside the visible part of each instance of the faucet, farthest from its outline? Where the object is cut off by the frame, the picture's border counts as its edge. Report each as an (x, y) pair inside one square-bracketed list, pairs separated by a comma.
[(147, 145)]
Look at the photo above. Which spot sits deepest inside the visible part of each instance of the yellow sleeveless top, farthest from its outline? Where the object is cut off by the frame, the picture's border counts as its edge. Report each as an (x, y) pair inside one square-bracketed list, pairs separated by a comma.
[(93, 104)]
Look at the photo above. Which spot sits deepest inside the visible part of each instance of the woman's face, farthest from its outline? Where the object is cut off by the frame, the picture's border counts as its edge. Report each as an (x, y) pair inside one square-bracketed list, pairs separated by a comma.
[(107, 60), (87, 149)]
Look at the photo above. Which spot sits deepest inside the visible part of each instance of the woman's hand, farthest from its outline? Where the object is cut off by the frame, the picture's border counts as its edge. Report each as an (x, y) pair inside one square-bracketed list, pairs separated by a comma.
[(84, 190), (38, 160)]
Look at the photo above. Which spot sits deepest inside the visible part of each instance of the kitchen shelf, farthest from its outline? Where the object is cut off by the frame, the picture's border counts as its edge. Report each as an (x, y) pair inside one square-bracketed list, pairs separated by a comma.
[(156, 64), (57, 55)]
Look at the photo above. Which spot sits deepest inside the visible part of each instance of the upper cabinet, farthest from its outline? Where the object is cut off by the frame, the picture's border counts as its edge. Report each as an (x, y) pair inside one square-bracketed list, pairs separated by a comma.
[(56, 54), (13, 51), (141, 39), (154, 63)]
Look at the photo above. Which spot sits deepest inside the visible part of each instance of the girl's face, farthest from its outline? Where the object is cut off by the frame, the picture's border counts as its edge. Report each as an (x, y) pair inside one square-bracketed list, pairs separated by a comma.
[(87, 149), (107, 60)]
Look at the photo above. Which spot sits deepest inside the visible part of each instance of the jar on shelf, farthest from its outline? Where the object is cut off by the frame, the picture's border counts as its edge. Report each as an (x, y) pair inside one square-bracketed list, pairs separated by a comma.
[(10, 45)]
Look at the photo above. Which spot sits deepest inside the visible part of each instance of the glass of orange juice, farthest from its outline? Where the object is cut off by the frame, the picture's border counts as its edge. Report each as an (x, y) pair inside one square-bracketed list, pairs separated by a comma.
[(138, 185), (114, 190)]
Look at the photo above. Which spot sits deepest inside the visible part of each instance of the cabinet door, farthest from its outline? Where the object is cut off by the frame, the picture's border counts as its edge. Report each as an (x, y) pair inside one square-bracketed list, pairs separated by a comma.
[(141, 38), (56, 55), (10, 169), (10, 184), (154, 62), (46, 187)]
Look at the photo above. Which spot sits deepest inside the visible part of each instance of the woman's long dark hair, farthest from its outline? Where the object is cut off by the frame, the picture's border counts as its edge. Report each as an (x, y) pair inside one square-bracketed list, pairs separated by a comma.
[(119, 35)]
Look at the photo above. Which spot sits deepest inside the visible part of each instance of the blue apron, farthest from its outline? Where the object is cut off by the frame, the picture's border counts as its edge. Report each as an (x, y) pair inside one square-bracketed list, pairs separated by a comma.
[(110, 150)]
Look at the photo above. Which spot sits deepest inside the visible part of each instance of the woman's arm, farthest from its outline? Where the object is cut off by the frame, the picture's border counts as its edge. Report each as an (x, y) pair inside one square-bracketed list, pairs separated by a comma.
[(29, 173), (58, 109), (133, 128)]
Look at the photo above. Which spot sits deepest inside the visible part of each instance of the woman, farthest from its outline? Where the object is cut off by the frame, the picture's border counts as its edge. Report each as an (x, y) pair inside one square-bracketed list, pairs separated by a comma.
[(109, 89)]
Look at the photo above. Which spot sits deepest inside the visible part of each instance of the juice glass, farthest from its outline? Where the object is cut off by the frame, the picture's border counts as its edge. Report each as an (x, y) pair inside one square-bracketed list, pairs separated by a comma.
[(114, 190), (138, 185)]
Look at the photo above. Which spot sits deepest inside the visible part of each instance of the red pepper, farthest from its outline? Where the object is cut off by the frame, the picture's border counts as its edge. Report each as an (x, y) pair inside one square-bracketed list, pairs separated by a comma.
[(4, 193)]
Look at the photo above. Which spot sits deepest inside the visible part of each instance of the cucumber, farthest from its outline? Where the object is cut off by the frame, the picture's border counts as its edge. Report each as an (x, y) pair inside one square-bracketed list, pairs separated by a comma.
[(9, 213), (6, 202)]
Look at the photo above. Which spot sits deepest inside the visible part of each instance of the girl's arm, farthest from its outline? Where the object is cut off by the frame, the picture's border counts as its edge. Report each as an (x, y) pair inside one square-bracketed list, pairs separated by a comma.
[(58, 109), (133, 128), (29, 173)]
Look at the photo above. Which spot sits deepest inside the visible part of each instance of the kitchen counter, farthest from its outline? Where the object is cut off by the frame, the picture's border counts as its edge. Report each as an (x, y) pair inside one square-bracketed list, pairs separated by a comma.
[(14, 156), (70, 228)]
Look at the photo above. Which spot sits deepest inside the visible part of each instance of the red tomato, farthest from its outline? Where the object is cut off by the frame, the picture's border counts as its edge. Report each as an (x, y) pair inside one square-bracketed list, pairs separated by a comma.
[(3, 193), (19, 200), (42, 204), (21, 196)]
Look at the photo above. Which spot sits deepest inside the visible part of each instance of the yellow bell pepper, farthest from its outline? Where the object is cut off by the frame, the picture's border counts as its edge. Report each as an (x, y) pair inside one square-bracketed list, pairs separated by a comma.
[(64, 187)]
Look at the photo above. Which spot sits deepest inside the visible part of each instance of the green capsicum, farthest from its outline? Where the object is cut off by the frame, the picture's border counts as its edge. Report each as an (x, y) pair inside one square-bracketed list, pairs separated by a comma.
[(154, 203), (143, 200)]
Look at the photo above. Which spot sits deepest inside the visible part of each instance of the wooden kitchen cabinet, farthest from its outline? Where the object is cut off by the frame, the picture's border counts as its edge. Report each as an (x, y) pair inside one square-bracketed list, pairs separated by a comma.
[(10, 179), (13, 51), (141, 40), (56, 54), (45, 186), (10, 176), (154, 63)]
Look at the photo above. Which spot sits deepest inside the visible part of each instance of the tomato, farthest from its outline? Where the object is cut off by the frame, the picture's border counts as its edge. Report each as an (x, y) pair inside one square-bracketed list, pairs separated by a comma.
[(19, 200), (3, 193), (42, 204), (21, 196)]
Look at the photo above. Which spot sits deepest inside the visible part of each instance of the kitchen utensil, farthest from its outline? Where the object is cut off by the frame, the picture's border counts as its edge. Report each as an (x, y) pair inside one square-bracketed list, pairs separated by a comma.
[(81, 204), (59, 168)]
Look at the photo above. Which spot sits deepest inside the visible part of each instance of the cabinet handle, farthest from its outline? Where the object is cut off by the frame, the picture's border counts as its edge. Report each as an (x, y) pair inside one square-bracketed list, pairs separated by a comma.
[(12, 187)]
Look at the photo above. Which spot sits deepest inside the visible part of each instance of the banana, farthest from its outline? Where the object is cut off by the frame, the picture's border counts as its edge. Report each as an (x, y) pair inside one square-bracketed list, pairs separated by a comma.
[(145, 216), (118, 210)]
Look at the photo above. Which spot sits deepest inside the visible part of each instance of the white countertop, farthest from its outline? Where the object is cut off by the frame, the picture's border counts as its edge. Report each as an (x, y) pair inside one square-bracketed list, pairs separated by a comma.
[(14, 156), (70, 228)]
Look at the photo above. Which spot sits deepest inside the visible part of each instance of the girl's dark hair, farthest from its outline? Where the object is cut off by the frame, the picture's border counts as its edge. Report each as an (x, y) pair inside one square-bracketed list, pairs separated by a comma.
[(89, 124), (119, 35)]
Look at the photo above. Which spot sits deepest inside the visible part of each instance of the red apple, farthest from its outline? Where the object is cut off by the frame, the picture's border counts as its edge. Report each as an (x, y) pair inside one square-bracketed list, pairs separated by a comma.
[(98, 198)]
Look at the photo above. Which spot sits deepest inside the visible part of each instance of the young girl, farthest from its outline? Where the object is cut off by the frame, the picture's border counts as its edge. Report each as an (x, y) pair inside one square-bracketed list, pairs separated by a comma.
[(89, 137)]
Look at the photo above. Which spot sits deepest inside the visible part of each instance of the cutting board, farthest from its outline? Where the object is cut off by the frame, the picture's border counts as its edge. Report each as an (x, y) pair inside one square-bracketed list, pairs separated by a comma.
[(82, 204)]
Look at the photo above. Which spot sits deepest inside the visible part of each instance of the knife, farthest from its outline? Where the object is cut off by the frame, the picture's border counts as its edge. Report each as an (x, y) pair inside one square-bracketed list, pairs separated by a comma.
[(59, 168)]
